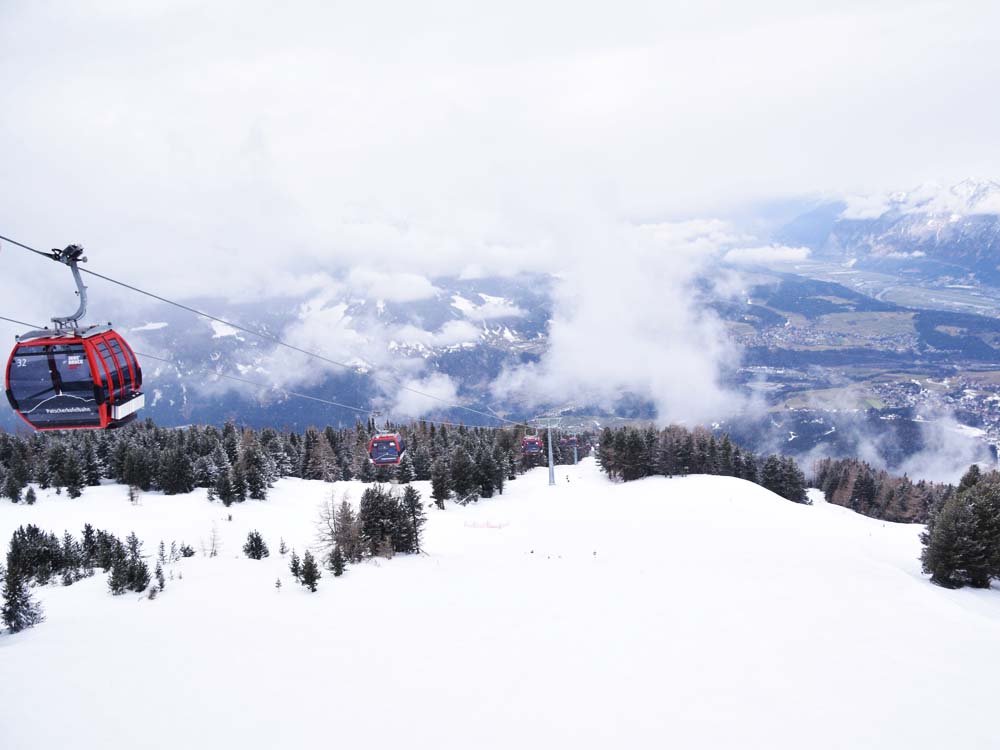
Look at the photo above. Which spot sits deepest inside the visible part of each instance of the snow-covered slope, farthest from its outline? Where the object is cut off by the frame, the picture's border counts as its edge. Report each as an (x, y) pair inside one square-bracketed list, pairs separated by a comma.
[(701, 612)]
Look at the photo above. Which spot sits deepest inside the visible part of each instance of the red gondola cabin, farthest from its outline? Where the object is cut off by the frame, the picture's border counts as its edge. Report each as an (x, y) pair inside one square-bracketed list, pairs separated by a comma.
[(532, 445), (74, 379), (386, 450)]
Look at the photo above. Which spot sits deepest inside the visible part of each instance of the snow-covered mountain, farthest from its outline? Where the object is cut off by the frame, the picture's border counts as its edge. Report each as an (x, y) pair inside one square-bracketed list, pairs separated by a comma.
[(949, 235)]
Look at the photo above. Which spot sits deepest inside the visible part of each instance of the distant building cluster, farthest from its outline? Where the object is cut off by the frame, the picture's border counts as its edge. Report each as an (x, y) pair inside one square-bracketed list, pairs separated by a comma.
[(814, 335)]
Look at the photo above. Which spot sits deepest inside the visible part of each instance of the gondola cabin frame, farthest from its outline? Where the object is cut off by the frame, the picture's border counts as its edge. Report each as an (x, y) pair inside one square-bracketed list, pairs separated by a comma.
[(78, 379)]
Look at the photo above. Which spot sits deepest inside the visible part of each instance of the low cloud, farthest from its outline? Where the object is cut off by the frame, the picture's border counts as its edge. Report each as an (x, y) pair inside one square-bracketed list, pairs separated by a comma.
[(766, 255), (491, 308), (949, 448), (390, 287), (629, 321), (895, 255), (452, 333), (861, 207), (412, 404)]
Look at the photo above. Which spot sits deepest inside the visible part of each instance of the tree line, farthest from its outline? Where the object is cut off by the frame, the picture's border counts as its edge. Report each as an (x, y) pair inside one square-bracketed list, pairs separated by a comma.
[(630, 453), (237, 463), (857, 485)]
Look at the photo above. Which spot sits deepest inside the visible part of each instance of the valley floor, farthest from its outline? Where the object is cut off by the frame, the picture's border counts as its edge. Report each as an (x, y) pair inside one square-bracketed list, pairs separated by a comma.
[(698, 612)]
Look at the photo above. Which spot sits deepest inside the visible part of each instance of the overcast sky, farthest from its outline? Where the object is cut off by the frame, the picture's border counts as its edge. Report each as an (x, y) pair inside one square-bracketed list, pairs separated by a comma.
[(244, 147)]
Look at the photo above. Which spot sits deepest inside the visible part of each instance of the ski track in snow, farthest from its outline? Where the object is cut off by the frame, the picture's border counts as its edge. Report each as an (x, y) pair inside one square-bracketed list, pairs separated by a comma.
[(714, 615)]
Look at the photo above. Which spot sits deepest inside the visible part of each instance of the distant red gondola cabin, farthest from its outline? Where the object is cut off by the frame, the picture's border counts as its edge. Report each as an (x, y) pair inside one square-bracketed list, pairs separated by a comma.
[(532, 445), (74, 379), (386, 450)]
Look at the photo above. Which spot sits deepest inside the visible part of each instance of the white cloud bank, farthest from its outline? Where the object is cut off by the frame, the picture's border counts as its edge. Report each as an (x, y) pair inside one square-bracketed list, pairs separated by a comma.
[(491, 308), (628, 321), (766, 255), (390, 286), (198, 161), (412, 404)]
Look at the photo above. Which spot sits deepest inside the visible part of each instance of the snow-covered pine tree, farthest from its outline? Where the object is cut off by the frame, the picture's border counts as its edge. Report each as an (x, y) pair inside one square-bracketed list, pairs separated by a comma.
[(137, 570), (440, 481), (255, 548), (255, 470), (88, 547), (220, 459), (337, 564), (726, 456), (295, 566), (415, 517), (770, 474), (406, 472), (205, 471), (463, 476), (71, 555), (239, 483), (366, 473), (20, 610), (223, 489), (500, 470), (12, 487), (635, 461), (72, 476), (793, 481), (175, 475), (91, 466), (231, 442), (970, 478), (310, 571), (486, 471), (421, 463), (118, 580), (953, 555), (379, 518)]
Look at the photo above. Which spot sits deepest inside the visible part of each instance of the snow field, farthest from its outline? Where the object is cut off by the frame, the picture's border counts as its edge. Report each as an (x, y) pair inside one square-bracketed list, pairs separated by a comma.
[(714, 614)]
